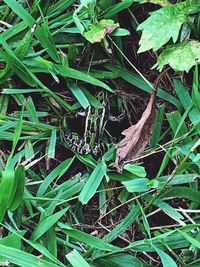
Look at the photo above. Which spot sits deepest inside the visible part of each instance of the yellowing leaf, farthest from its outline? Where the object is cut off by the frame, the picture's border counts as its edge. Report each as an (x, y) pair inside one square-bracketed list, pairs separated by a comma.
[(99, 30), (156, 2), (181, 56)]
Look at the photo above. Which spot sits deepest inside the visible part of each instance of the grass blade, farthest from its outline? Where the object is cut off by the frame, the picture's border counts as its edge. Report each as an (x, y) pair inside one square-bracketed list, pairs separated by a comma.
[(76, 259), (92, 183), (46, 224)]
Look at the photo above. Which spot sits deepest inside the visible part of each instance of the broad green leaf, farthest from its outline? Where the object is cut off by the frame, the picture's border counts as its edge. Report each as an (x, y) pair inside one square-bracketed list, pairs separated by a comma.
[(165, 258), (11, 240), (4, 99), (20, 10), (37, 246), (58, 7), (181, 56), (51, 242), (135, 169), (20, 91), (165, 24), (182, 93), (179, 179), (137, 185), (76, 259), (171, 239), (17, 132), (169, 210), (174, 119), (68, 189), (120, 32), (92, 183)]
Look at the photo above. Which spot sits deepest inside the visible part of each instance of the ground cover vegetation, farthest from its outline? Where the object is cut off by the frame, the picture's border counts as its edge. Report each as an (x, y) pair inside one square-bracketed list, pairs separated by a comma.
[(99, 133)]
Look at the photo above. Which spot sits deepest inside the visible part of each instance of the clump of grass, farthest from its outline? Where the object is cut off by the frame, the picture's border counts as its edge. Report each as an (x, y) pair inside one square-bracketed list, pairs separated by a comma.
[(59, 208)]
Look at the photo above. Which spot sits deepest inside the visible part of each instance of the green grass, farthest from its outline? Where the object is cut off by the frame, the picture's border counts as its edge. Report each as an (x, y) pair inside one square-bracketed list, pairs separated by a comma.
[(59, 208)]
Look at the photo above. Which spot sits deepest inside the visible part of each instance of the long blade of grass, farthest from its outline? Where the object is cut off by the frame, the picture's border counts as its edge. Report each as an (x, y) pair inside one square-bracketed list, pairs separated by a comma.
[(76, 259), (87, 239), (46, 224), (20, 185), (60, 169), (23, 259), (6, 188), (92, 183)]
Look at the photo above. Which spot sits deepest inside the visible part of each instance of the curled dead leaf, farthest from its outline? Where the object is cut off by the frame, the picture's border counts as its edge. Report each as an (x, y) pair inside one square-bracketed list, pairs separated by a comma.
[(137, 136)]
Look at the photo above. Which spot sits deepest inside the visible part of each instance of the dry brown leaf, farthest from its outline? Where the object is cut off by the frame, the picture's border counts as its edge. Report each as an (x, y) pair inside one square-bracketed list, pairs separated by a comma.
[(137, 136)]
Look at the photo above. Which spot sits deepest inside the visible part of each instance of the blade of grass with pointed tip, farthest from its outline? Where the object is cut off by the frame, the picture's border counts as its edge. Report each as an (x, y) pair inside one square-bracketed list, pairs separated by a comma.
[(37, 246), (165, 258), (78, 93), (30, 107), (19, 190), (87, 239), (182, 192), (6, 188), (115, 9), (76, 259), (43, 226), (17, 134), (75, 74), (92, 183), (9, 91), (123, 225), (23, 259), (43, 39), (190, 239), (59, 7), (157, 126), (169, 210), (62, 168), (27, 76), (52, 145), (139, 82)]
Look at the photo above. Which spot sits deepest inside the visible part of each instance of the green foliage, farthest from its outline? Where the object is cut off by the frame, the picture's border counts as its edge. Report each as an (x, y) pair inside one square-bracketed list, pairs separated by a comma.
[(60, 208), (181, 56), (165, 24)]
